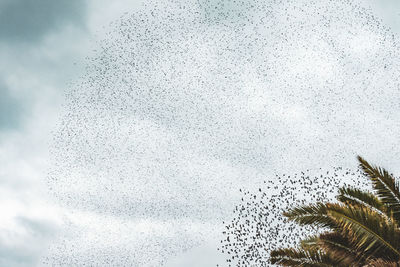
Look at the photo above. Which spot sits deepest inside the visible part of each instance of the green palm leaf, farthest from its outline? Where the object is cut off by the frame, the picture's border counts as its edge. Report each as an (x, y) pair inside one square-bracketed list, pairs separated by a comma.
[(385, 186), (315, 214), (337, 245), (340, 247), (310, 242), (381, 263), (357, 197), (364, 227), (369, 231), (303, 257)]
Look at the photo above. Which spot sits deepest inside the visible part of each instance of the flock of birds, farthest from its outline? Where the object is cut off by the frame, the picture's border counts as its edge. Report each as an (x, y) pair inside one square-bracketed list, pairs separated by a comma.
[(182, 99), (259, 226)]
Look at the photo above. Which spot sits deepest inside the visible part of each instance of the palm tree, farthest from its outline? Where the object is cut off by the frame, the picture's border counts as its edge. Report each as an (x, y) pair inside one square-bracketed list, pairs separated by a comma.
[(361, 229)]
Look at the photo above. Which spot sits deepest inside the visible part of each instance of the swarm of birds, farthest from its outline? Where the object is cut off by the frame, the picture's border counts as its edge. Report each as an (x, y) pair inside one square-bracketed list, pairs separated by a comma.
[(182, 98), (259, 227)]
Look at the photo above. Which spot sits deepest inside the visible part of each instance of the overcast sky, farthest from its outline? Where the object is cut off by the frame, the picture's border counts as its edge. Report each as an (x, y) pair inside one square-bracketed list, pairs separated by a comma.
[(126, 143)]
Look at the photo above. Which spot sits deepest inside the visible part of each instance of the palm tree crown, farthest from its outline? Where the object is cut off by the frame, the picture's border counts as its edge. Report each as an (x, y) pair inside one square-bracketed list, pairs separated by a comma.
[(361, 229)]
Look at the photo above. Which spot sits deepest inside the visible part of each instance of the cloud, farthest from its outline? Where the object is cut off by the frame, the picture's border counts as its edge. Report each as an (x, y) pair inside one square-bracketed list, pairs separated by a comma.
[(25, 243), (25, 21), (224, 11), (11, 109), (122, 241)]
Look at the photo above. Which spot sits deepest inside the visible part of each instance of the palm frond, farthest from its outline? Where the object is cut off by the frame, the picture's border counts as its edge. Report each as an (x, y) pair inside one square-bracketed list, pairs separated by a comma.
[(303, 257), (356, 197), (310, 242), (369, 231), (364, 227), (340, 247), (381, 263), (386, 187), (315, 214)]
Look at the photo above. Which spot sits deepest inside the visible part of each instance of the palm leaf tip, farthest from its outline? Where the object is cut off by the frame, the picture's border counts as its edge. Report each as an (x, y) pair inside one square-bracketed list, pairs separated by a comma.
[(315, 214)]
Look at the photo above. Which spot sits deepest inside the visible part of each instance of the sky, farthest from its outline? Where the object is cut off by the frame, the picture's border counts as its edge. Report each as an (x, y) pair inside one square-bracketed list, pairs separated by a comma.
[(126, 128)]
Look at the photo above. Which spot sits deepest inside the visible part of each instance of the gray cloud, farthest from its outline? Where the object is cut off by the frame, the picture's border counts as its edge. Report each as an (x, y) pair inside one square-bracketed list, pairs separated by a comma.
[(30, 20), (36, 235), (10, 256), (220, 10), (10, 109), (38, 228), (388, 11)]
